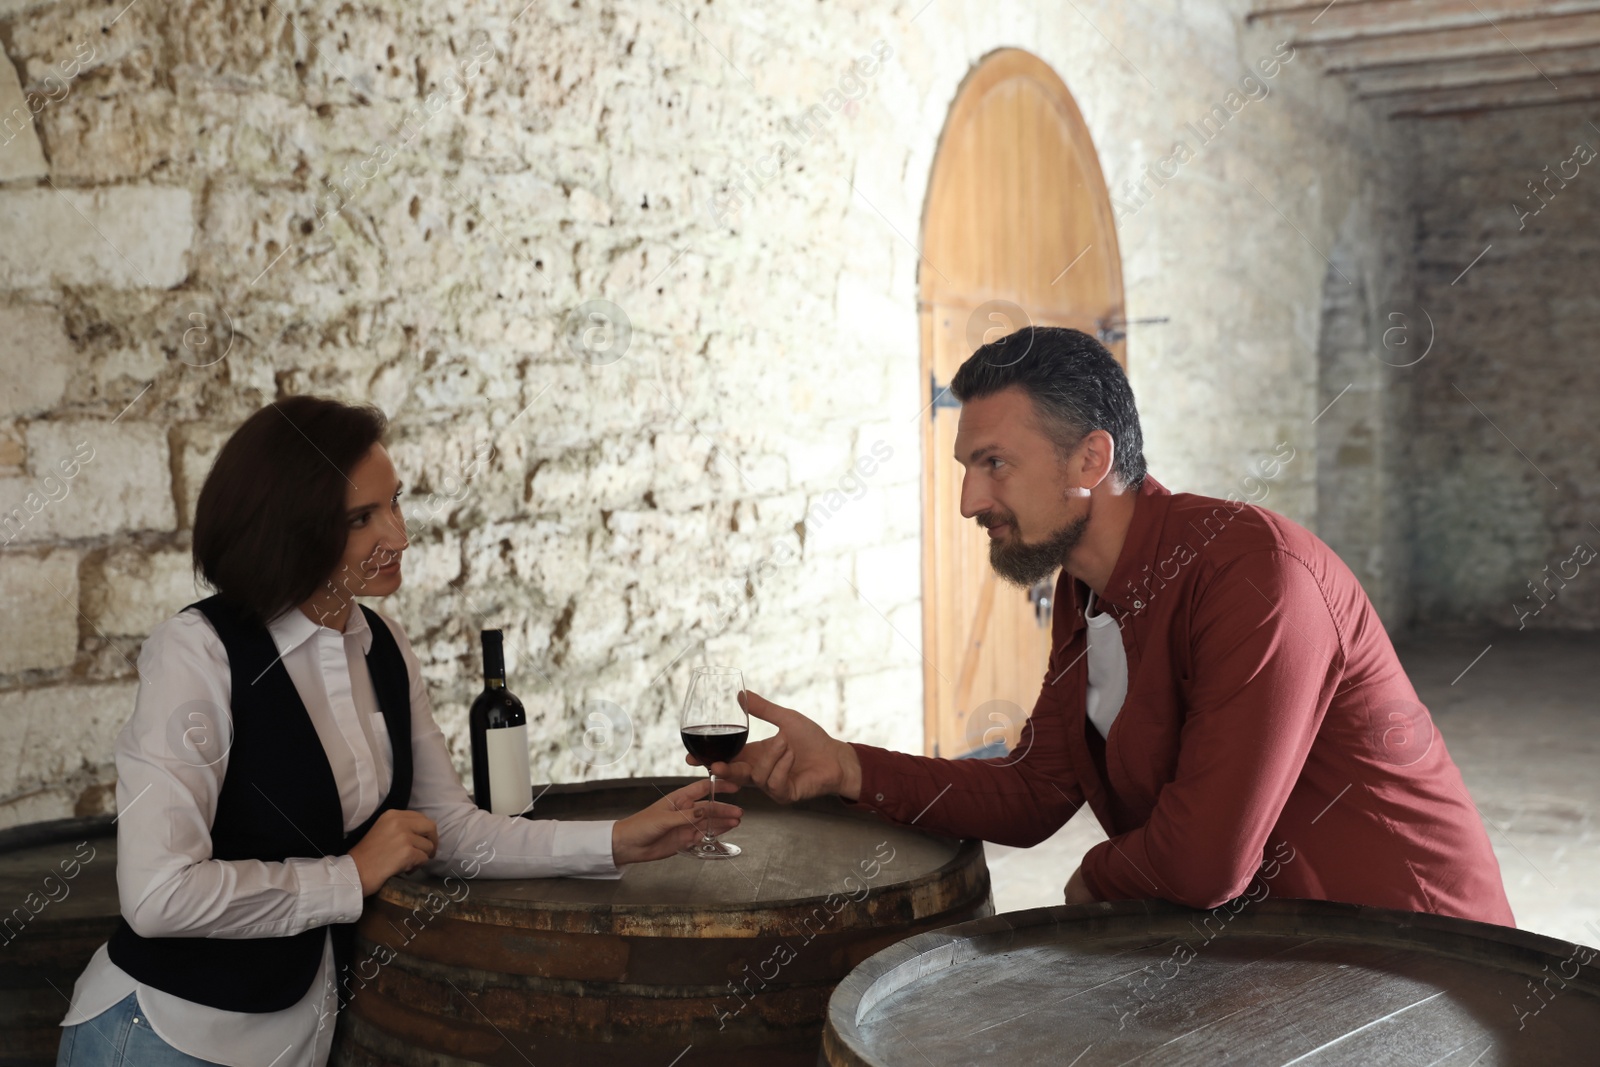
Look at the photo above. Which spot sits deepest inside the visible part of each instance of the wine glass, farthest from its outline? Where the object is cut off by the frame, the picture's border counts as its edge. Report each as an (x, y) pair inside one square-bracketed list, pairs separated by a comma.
[(714, 728)]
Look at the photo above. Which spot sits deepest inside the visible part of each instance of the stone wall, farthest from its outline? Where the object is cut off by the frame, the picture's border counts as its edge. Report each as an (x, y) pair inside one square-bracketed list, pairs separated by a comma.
[(1505, 480), (210, 206), (1372, 334)]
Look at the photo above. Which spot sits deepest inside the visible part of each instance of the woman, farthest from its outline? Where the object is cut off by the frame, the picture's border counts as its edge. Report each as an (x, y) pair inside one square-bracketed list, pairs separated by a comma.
[(282, 762)]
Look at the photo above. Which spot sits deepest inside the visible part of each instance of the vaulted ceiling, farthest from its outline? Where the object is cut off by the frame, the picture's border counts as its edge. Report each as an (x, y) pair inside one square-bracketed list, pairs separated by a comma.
[(1448, 57)]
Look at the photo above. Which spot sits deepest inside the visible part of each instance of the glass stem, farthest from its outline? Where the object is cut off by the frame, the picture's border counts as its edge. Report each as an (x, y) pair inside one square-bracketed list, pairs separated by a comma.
[(709, 838)]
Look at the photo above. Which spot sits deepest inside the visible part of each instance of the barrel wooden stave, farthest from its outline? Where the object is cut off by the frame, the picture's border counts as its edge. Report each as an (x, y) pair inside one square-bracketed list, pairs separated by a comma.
[(49, 930), (662, 993), (1338, 983), (588, 971)]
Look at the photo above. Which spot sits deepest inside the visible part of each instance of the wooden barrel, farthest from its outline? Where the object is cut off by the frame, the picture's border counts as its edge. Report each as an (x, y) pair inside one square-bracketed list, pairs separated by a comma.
[(735, 958), (1275, 982), (58, 904)]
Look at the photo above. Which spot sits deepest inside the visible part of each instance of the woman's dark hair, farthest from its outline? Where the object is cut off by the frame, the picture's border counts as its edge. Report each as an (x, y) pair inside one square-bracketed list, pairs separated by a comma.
[(269, 527), (1075, 384)]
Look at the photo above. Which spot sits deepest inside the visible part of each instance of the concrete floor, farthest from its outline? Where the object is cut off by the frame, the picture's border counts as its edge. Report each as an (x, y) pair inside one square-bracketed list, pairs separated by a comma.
[(1523, 725)]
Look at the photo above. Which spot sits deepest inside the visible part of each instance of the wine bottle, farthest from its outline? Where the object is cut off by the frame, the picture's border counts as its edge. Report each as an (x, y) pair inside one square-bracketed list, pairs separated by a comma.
[(502, 775)]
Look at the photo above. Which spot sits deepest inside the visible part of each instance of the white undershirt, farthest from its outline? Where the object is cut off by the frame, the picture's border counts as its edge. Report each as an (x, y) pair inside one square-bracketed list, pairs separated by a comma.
[(169, 884), (1108, 668)]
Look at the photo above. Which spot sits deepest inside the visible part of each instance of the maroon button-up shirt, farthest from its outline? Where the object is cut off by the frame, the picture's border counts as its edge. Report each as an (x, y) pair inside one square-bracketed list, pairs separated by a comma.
[(1268, 728)]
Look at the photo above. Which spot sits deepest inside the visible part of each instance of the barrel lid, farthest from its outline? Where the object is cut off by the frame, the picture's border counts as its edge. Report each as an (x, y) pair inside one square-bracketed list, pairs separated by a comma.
[(1275, 981), (795, 857)]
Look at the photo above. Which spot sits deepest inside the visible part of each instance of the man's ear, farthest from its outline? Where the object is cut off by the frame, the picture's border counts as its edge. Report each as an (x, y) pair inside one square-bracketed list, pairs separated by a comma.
[(1094, 459)]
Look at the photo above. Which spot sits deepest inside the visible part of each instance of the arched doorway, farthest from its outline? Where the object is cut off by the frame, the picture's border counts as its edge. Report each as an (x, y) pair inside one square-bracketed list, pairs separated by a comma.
[(1017, 228)]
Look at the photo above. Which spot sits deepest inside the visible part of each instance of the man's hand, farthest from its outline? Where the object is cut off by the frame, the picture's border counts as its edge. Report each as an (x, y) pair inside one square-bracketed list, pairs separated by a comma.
[(800, 762), (1076, 891), (673, 822)]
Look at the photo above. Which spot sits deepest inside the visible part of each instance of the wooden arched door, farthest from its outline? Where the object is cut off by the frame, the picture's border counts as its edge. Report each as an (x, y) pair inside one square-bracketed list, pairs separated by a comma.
[(1017, 228)]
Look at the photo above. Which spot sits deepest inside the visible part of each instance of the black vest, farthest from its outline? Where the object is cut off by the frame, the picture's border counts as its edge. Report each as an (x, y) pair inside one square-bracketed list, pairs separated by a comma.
[(278, 799)]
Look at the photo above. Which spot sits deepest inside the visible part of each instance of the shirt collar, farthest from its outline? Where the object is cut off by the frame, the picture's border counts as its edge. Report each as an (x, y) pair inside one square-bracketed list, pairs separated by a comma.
[(292, 628), (1139, 547)]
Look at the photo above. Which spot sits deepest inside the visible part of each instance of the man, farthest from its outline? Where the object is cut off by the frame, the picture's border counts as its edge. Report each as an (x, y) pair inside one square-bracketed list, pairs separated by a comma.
[(1220, 690)]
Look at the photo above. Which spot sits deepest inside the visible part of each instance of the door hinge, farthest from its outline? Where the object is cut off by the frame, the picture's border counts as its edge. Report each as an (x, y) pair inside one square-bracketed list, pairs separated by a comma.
[(1040, 595), (1110, 331), (942, 397)]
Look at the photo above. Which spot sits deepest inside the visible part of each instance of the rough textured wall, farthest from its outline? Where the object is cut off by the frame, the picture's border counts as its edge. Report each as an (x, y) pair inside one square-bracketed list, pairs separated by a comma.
[(1272, 254), (1373, 337), (208, 206), (1505, 481)]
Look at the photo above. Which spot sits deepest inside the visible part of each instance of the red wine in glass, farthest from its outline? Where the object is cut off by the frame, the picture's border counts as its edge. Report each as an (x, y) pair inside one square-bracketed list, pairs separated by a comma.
[(715, 743), (713, 727)]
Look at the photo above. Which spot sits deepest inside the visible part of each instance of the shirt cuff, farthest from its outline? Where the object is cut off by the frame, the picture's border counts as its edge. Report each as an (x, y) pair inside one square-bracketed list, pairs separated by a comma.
[(347, 888), (1086, 868), (875, 793), (584, 848), (330, 890)]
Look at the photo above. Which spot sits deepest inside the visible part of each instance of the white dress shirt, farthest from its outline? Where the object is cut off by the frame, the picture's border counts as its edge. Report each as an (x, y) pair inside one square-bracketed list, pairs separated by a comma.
[(1108, 668), (169, 885)]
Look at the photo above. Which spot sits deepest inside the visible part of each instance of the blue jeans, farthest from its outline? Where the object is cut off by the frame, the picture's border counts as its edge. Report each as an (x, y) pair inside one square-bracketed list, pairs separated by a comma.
[(118, 1036)]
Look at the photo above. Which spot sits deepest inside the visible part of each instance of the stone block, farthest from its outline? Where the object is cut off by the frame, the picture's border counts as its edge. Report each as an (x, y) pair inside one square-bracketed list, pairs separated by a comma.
[(104, 134), (123, 237), (13, 8), (43, 805), (839, 521), (40, 628), (820, 461), (885, 709), (595, 630), (131, 590), (549, 558), (861, 637), (36, 358), (887, 576), (21, 158), (197, 445), (122, 483), (50, 732), (12, 453)]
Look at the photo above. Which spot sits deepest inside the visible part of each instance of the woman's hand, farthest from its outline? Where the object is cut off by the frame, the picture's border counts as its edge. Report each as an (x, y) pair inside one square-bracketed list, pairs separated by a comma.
[(397, 842), (672, 823), (799, 762), (1076, 891)]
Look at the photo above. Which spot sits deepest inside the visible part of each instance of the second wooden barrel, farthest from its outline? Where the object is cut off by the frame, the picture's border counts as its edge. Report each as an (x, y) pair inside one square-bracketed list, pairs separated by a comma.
[(1273, 982), (734, 958), (58, 904)]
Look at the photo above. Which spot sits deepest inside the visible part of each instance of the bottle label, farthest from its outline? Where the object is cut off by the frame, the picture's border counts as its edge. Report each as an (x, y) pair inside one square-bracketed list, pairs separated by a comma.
[(510, 771)]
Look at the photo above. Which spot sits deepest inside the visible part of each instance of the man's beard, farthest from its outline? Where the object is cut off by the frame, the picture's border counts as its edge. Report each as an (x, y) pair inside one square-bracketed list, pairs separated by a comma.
[(1023, 564)]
